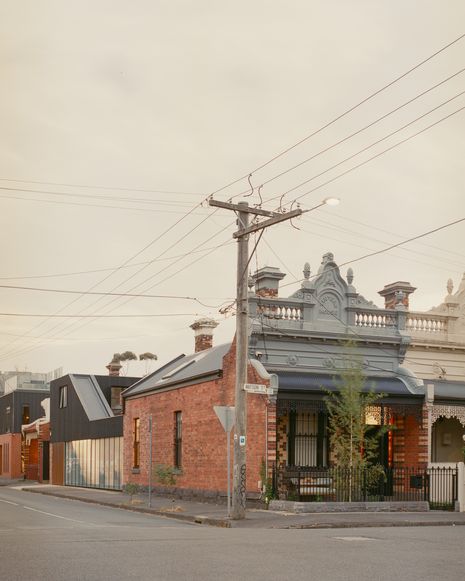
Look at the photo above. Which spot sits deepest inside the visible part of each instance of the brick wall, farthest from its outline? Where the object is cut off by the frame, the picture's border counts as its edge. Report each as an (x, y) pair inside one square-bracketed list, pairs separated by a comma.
[(203, 438), (10, 456), (411, 441)]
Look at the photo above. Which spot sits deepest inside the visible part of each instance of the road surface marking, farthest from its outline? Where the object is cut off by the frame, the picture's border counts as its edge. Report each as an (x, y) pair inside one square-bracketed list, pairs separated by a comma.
[(8, 502), (56, 515), (354, 539)]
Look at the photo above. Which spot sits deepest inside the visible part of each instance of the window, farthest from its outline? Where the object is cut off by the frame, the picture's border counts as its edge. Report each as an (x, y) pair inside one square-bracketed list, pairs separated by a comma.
[(63, 396), (177, 439), (136, 444), (307, 439), (26, 416), (116, 400)]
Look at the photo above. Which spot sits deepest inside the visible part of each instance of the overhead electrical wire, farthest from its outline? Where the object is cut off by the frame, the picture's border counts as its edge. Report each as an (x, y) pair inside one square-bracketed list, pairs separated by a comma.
[(126, 262), (311, 135), (125, 208), (379, 154), (112, 188), (77, 316), (110, 294), (354, 133), (378, 229), (96, 270), (371, 145), (27, 349), (342, 115), (329, 226)]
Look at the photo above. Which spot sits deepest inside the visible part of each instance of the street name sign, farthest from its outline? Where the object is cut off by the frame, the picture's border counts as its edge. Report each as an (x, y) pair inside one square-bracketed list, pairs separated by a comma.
[(258, 388)]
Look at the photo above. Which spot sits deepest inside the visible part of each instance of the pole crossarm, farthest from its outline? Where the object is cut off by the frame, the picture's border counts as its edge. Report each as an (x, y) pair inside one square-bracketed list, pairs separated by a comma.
[(266, 223), (238, 208)]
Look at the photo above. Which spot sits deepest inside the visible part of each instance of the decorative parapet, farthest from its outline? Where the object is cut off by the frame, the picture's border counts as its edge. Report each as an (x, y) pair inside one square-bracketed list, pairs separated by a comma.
[(426, 325), (280, 309), (375, 318), (293, 310)]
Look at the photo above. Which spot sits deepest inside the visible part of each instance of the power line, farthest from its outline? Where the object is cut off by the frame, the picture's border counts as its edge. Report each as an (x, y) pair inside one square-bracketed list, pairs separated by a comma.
[(21, 351), (108, 294), (78, 316), (332, 226), (353, 134), (96, 270), (373, 144), (113, 188), (390, 247), (379, 154), (126, 262), (329, 226), (150, 201), (342, 115), (62, 203)]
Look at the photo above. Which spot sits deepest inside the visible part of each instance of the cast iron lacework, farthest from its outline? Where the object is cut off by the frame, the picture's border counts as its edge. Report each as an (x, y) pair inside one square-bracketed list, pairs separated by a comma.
[(448, 412), (383, 413)]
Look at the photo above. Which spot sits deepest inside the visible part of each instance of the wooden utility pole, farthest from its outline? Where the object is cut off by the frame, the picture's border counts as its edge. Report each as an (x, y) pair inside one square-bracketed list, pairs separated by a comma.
[(240, 430)]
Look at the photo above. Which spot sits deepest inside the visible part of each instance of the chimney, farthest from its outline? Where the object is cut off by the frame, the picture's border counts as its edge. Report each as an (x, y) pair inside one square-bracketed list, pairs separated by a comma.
[(203, 329), (397, 293), (266, 281), (114, 366)]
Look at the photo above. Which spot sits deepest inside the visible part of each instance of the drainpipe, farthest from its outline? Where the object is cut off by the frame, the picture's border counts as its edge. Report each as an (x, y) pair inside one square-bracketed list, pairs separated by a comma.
[(429, 407)]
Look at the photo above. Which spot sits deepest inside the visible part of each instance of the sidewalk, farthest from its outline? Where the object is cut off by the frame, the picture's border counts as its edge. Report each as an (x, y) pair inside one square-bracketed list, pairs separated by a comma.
[(216, 515)]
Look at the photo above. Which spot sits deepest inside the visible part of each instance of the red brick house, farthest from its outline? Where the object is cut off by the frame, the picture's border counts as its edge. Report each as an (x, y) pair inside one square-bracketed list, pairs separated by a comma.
[(186, 433), (36, 447)]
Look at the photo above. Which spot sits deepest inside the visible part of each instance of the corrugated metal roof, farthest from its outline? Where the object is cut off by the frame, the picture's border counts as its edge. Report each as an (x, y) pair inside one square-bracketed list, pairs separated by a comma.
[(90, 395), (182, 369)]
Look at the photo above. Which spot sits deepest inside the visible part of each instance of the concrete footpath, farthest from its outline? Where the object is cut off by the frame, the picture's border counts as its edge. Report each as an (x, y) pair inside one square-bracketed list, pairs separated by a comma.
[(216, 514)]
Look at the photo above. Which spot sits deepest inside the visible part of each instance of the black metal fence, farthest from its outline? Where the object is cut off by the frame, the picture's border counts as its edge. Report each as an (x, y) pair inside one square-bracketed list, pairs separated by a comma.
[(438, 486)]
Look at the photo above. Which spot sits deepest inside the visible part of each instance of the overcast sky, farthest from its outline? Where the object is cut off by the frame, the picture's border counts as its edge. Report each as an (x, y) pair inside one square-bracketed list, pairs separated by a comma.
[(117, 118)]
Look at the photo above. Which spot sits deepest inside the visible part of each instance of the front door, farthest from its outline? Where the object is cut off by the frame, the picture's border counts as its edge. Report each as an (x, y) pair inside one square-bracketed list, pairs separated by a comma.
[(45, 461)]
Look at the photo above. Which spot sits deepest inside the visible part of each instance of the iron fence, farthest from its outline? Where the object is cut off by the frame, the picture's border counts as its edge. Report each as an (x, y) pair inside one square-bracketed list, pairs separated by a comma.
[(438, 486)]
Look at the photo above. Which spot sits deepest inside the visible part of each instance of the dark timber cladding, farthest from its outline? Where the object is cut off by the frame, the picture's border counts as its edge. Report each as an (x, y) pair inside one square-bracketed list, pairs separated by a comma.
[(71, 422), (11, 408)]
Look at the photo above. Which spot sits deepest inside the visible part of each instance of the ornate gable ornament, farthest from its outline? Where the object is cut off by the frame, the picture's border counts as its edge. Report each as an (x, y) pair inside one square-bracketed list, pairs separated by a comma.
[(331, 290)]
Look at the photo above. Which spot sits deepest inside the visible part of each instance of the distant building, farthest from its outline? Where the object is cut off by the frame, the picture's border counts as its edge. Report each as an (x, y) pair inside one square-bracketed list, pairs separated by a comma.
[(20, 403), (87, 429)]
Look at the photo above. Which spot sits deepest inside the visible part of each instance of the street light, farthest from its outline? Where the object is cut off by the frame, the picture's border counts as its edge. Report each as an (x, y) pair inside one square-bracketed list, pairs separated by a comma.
[(331, 201)]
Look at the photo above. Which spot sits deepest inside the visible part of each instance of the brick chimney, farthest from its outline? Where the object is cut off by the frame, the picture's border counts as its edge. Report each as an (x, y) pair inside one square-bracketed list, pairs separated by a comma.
[(397, 293), (203, 329), (114, 366), (266, 281)]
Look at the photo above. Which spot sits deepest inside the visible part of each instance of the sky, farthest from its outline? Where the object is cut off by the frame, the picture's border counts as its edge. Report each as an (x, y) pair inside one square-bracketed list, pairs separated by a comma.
[(118, 119)]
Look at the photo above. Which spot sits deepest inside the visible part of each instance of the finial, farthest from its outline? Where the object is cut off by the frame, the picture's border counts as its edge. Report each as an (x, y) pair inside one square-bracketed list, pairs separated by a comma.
[(307, 272), (399, 297), (328, 257), (350, 275), (450, 286)]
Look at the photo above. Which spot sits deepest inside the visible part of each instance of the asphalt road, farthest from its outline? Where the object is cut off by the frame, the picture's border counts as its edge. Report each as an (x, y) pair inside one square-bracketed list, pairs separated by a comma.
[(49, 538)]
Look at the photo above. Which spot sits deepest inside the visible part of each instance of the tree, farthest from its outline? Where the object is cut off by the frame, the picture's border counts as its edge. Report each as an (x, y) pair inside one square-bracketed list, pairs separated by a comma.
[(127, 356), (354, 449), (148, 358)]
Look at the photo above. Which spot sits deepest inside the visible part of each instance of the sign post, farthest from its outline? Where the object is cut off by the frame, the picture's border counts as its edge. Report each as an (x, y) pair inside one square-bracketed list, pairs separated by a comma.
[(226, 415), (150, 460)]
